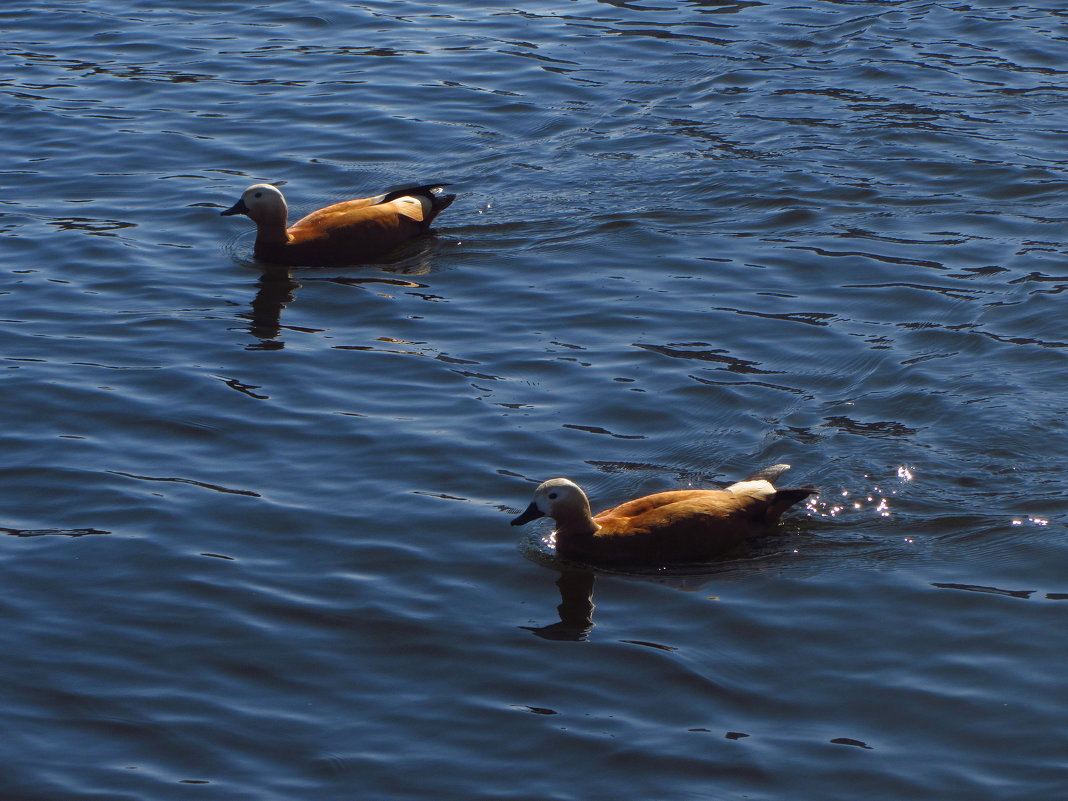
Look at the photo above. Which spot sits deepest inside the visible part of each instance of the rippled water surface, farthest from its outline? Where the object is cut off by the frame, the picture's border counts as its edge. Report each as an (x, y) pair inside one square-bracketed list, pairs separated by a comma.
[(254, 533)]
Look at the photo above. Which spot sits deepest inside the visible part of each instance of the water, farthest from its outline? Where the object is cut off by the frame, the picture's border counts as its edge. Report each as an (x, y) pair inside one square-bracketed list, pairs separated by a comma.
[(255, 527)]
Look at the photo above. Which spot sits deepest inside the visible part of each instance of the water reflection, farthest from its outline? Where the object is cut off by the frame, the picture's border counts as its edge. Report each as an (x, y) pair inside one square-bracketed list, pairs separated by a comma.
[(575, 609), (983, 589), (703, 351), (277, 288), (90, 225), (274, 291), (576, 599), (44, 532)]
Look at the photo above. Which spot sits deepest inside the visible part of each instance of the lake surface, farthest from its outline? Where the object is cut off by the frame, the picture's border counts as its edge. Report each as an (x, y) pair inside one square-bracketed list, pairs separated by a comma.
[(254, 533)]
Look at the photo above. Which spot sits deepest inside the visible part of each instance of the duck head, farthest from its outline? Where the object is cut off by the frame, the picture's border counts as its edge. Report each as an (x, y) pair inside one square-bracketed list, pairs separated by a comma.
[(263, 204), (562, 500)]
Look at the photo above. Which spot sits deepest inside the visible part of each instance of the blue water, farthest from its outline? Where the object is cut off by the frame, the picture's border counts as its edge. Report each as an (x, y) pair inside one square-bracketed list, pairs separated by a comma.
[(254, 537)]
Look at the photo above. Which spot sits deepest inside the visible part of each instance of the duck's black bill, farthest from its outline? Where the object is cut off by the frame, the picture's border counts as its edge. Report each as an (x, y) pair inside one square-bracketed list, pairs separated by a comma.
[(532, 513), (237, 208)]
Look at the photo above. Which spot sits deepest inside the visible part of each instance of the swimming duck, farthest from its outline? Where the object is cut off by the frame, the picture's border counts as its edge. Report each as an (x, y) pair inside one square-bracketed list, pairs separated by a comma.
[(349, 232), (675, 526)]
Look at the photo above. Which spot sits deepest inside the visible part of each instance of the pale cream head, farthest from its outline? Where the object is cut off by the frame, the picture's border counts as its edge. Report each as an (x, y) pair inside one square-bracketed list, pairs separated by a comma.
[(265, 202), (559, 493), (562, 500)]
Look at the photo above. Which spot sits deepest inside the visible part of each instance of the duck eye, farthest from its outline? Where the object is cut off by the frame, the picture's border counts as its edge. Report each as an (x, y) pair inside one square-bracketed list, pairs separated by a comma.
[(258, 194), (552, 496)]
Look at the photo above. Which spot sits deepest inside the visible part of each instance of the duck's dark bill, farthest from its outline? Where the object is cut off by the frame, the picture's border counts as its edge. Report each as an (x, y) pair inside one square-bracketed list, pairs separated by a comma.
[(532, 513), (237, 208)]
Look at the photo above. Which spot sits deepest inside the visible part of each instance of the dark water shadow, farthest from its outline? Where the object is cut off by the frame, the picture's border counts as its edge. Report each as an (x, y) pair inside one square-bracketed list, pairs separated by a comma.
[(576, 586), (275, 290), (575, 609), (278, 285), (47, 532)]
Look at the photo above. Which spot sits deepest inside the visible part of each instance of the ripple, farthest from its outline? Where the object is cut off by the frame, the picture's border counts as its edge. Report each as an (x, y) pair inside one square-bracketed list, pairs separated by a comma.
[(692, 238)]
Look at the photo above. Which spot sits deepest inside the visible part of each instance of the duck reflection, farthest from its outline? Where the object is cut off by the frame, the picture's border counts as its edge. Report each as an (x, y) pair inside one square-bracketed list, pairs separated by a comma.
[(575, 609), (274, 291), (277, 288), (576, 598)]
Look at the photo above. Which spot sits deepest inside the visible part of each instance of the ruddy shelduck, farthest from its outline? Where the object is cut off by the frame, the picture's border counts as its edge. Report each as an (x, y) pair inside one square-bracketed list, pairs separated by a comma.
[(676, 526), (350, 232)]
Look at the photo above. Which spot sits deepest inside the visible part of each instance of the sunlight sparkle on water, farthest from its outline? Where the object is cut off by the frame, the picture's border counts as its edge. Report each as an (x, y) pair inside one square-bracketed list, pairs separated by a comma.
[(876, 498)]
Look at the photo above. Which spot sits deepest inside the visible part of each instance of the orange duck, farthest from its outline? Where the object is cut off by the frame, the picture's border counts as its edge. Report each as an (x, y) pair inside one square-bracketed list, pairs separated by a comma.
[(678, 526), (349, 232)]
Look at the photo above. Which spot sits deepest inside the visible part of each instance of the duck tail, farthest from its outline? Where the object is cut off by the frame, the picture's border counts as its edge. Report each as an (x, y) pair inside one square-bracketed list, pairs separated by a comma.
[(770, 474), (438, 204), (785, 498), (432, 192)]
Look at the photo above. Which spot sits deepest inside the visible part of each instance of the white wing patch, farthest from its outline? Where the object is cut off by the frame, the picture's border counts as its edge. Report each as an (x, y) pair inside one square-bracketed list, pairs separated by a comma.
[(415, 208), (760, 488)]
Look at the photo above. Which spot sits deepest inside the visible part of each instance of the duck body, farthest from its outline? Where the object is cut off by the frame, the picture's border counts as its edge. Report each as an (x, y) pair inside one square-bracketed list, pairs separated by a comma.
[(676, 526), (349, 232)]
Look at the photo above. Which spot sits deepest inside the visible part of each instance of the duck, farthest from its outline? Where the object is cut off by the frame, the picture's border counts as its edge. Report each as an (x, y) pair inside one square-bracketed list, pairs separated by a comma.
[(696, 525), (349, 232)]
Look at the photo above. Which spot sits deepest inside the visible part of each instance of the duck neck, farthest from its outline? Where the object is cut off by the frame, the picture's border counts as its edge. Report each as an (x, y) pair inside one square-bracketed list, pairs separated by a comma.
[(575, 521), (271, 232), (271, 225)]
